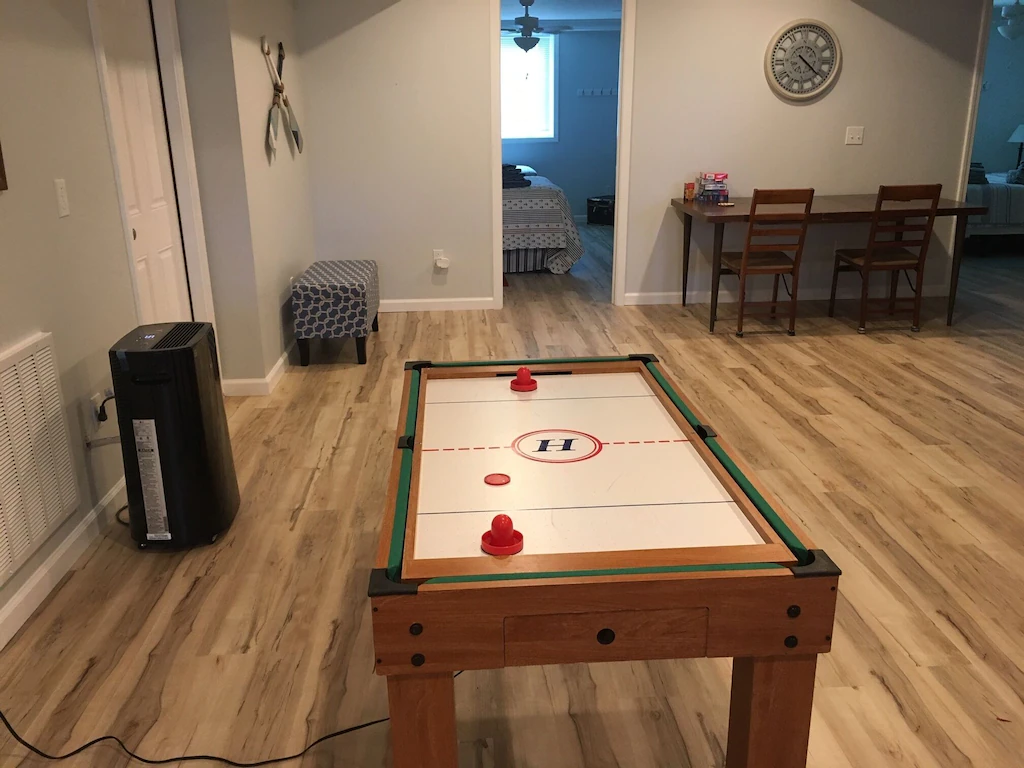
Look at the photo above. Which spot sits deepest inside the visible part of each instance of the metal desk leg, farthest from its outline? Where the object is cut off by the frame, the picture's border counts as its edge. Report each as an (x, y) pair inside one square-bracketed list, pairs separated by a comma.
[(958, 256), (716, 273), (687, 229)]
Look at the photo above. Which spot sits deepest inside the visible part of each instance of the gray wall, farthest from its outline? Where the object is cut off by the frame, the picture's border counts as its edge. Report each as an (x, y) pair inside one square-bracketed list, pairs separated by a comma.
[(257, 213), (67, 276), (205, 32), (398, 95), (280, 212), (1002, 102), (907, 76)]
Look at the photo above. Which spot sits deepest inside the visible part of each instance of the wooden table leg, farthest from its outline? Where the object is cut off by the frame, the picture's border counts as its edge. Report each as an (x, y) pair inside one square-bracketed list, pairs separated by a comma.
[(716, 273), (958, 256), (770, 713), (687, 230), (422, 709)]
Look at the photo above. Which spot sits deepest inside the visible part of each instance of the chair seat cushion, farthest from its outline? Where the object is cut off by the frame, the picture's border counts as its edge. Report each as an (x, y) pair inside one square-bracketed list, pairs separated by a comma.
[(887, 258), (336, 299), (767, 261)]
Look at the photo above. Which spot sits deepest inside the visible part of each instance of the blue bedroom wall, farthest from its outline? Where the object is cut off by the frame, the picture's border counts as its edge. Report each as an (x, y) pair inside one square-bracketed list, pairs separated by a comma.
[(1002, 102), (582, 160)]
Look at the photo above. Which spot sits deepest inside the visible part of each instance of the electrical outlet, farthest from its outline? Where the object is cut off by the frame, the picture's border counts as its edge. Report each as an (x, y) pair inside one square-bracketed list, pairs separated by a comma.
[(440, 260), (63, 209), (855, 135), (97, 401)]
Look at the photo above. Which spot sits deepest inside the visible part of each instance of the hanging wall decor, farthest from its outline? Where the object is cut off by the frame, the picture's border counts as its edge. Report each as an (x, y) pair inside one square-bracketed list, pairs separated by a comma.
[(281, 104), (3, 173)]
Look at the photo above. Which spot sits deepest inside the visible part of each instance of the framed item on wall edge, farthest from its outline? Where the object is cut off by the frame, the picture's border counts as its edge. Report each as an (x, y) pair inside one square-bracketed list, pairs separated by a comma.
[(3, 173)]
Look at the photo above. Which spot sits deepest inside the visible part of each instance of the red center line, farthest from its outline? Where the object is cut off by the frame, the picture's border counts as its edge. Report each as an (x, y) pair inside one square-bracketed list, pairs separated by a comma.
[(499, 447)]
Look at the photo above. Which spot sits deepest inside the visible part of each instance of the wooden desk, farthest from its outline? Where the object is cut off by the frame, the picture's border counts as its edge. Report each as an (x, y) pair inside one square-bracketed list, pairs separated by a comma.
[(828, 209)]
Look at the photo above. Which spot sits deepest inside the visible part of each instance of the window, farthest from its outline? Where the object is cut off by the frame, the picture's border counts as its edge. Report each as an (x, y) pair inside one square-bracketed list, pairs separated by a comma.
[(528, 89)]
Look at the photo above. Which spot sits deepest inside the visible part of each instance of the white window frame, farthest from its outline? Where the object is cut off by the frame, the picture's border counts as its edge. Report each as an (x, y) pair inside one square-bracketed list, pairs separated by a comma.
[(554, 91)]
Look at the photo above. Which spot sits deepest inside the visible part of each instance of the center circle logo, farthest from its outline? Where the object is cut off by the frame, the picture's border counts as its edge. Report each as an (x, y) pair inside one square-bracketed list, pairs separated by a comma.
[(557, 446)]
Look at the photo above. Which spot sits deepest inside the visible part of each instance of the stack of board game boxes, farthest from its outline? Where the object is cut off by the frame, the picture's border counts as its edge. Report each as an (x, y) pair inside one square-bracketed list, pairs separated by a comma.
[(709, 188)]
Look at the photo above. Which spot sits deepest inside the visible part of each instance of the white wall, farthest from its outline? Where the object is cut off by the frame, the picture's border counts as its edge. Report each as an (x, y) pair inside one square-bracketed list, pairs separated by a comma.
[(907, 78), (68, 276), (398, 94), (280, 213), (258, 217), (1002, 102)]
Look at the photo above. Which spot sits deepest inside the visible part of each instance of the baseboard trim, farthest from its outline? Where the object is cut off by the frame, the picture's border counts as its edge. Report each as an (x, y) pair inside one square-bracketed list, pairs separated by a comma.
[(274, 377), (33, 592), (731, 297), (437, 305), (257, 387)]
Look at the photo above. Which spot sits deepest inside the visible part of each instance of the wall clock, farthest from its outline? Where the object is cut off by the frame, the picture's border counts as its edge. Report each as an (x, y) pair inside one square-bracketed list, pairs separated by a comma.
[(803, 60)]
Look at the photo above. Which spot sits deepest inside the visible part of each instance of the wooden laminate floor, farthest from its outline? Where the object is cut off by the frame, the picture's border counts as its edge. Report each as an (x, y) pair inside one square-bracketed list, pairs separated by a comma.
[(903, 454)]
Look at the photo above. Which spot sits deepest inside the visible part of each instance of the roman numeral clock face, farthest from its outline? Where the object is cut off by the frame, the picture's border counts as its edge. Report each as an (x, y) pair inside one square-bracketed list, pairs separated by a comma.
[(802, 61)]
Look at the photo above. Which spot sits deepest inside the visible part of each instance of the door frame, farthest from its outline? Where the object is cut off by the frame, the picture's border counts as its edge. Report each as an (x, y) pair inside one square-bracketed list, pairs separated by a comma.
[(627, 59), (183, 161)]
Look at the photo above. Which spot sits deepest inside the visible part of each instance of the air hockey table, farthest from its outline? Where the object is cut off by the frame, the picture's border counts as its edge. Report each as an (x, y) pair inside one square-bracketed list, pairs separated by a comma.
[(625, 529)]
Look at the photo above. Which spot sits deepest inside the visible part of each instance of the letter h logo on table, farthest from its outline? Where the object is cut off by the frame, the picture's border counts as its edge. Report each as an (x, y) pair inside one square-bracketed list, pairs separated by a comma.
[(545, 444)]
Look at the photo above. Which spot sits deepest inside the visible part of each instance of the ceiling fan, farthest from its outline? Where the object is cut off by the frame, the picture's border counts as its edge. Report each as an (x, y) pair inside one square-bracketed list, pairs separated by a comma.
[(1013, 21), (527, 26)]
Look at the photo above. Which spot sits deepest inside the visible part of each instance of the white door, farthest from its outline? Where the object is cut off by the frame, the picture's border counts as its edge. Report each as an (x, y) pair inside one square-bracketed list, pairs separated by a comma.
[(143, 156)]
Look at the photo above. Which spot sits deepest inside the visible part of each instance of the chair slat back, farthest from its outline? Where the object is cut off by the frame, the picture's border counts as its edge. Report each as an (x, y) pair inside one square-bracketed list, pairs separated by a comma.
[(907, 224), (778, 222)]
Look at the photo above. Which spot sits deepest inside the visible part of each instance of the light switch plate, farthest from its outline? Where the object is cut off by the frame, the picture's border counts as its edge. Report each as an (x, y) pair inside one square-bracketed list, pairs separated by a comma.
[(63, 209), (855, 135)]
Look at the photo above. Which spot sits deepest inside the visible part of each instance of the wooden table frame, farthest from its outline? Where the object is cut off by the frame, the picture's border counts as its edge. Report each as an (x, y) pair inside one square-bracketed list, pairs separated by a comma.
[(773, 619), (827, 209)]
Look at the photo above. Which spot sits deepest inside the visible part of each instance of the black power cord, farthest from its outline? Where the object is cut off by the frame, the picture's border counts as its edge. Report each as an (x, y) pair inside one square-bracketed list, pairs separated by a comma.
[(117, 515), (101, 412), (184, 758)]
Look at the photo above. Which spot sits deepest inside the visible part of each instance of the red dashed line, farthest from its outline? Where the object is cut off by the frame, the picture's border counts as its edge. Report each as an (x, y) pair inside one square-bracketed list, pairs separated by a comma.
[(499, 447)]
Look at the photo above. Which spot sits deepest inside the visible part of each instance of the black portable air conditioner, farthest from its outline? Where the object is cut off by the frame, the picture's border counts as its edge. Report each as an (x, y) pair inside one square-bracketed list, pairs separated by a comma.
[(182, 489)]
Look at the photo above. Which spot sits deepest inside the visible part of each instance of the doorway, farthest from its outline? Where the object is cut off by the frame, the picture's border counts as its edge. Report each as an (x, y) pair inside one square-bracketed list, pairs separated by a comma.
[(123, 30), (564, 76), (993, 269)]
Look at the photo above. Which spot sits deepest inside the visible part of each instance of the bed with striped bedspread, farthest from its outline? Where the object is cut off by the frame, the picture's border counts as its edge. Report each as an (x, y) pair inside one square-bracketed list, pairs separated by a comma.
[(538, 230)]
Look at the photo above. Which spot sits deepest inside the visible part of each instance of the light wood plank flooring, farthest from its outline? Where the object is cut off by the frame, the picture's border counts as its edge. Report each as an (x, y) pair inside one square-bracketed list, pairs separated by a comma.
[(903, 454)]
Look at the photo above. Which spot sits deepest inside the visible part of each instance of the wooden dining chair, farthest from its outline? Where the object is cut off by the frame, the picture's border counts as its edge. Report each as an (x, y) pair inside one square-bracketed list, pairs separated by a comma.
[(889, 250), (770, 241)]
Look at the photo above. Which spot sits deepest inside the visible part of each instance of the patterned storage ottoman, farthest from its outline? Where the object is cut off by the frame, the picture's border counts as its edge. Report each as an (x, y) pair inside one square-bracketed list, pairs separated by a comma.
[(336, 299)]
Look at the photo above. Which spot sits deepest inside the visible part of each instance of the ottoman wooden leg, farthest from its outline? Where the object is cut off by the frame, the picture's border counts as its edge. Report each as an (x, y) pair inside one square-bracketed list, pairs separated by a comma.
[(375, 328), (361, 349), (303, 351)]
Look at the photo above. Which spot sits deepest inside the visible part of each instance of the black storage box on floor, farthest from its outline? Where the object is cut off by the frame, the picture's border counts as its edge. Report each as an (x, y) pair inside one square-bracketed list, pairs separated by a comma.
[(178, 467), (601, 210)]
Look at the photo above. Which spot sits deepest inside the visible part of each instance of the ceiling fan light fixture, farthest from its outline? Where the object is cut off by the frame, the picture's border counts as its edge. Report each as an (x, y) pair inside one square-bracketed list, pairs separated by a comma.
[(526, 43)]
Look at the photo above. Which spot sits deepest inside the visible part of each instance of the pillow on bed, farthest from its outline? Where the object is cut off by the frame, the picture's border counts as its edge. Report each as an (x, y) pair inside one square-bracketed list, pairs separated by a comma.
[(1016, 176)]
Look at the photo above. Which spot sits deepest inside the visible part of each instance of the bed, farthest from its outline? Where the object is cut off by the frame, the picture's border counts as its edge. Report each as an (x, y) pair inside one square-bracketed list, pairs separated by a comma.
[(1005, 206), (538, 231)]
